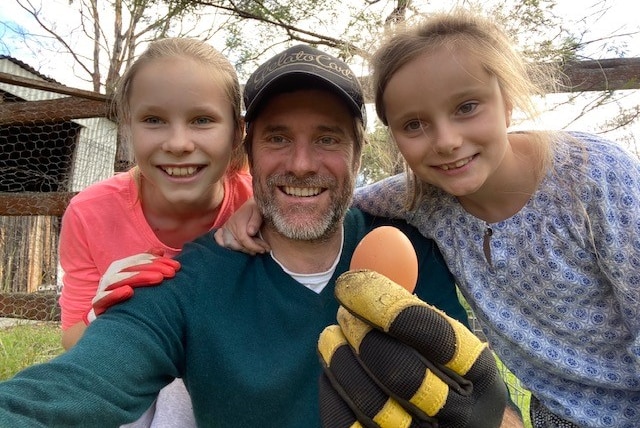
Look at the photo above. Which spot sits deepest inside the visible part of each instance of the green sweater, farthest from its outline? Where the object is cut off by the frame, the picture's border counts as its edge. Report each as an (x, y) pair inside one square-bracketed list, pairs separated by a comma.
[(239, 331)]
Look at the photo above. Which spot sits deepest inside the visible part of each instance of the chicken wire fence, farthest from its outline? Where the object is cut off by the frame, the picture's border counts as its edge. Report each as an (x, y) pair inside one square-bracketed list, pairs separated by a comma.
[(54, 142)]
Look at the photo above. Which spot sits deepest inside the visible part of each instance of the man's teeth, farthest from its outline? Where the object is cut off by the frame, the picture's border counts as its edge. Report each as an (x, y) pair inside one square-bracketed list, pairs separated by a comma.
[(458, 164), (180, 171), (302, 191)]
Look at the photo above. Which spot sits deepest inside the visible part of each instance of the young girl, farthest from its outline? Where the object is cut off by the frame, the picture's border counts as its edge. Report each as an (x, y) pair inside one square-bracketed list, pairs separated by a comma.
[(179, 107), (541, 230)]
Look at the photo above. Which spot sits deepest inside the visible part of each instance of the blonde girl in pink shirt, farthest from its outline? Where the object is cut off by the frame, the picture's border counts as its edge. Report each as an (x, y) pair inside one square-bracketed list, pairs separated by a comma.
[(179, 106)]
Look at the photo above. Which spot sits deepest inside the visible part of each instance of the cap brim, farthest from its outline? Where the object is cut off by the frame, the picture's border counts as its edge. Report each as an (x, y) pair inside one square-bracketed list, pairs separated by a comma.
[(295, 80)]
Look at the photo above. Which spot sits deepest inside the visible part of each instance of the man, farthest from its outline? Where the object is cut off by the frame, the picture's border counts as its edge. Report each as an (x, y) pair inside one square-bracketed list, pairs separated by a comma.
[(241, 331)]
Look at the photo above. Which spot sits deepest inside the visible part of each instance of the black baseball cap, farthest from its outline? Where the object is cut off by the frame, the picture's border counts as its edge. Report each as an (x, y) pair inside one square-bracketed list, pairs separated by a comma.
[(302, 67)]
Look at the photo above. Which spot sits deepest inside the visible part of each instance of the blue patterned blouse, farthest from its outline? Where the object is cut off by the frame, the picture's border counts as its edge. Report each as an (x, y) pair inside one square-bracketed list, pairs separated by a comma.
[(557, 290)]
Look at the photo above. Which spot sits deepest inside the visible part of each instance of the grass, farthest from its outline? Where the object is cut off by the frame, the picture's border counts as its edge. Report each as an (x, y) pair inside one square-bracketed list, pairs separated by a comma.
[(519, 395), (26, 344)]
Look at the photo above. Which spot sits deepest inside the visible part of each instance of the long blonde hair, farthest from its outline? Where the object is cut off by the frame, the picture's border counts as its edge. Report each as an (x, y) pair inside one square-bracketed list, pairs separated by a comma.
[(477, 36), (221, 70)]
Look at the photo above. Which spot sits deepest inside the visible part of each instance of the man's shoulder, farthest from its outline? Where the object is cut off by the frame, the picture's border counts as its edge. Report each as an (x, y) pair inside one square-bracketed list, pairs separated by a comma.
[(206, 244), (204, 255)]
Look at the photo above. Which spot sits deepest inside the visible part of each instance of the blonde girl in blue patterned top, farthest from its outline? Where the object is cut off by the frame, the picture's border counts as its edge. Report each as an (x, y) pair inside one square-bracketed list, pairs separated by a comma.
[(541, 230)]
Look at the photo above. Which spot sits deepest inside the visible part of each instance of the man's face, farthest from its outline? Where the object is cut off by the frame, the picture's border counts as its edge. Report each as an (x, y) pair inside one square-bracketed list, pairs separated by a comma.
[(303, 163)]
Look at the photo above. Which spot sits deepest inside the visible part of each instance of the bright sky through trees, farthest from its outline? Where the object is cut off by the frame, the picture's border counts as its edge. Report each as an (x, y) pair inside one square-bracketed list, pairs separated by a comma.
[(599, 18)]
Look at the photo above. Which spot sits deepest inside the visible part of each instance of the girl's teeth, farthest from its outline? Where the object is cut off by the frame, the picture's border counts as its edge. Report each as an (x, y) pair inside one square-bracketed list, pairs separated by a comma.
[(458, 164), (182, 171)]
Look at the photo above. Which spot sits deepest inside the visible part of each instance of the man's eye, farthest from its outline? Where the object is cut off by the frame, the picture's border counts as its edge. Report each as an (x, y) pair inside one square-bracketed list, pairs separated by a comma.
[(277, 139), (326, 141)]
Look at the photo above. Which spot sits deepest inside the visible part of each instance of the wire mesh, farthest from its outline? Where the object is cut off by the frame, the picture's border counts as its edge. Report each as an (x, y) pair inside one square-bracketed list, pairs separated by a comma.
[(54, 142)]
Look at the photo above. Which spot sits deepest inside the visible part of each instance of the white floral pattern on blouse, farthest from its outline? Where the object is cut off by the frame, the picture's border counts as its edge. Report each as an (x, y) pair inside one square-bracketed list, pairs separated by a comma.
[(560, 301)]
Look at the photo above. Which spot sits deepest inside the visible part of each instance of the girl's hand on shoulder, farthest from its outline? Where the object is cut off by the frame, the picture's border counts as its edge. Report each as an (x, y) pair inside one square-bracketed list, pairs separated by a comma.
[(239, 232), (122, 276)]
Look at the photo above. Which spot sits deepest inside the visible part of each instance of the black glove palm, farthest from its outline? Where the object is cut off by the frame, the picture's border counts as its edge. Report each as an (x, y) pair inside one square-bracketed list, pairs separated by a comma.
[(395, 361)]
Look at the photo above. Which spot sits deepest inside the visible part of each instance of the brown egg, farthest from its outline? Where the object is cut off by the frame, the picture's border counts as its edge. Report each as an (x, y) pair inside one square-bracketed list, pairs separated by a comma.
[(389, 252)]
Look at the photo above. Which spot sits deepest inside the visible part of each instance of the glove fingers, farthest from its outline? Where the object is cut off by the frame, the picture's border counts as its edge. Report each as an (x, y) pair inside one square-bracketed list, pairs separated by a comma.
[(164, 265), (384, 304), (458, 372), (101, 304), (334, 412), (141, 279), (402, 372), (348, 393)]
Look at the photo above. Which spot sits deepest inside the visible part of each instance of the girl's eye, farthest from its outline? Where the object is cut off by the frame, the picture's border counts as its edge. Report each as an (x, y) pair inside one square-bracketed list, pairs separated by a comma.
[(414, 125), (203, 121), (152, 120), (468, 108)]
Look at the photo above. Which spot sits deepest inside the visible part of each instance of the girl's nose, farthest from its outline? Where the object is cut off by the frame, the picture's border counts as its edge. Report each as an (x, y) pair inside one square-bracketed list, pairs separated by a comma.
[(446, 139), (179, 141)]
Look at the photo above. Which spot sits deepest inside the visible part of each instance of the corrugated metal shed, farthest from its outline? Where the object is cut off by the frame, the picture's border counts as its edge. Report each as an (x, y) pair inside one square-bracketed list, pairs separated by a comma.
[(93, 157)]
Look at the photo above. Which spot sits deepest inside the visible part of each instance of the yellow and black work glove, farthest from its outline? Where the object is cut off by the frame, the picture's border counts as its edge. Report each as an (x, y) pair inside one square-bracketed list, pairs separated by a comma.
[(395, 361)]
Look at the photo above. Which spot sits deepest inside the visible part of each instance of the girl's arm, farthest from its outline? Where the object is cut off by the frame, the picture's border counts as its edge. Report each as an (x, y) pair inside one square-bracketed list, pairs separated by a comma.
[(239, 232), (80, 278), (614, 232), (385, 198)]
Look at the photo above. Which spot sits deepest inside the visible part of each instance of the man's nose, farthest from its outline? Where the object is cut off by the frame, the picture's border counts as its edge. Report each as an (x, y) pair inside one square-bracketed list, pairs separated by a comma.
[(303, 158)]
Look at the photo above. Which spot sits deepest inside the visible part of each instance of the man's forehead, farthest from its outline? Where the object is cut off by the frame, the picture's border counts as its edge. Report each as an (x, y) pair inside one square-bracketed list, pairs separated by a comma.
[(275, 126), (308, 108)]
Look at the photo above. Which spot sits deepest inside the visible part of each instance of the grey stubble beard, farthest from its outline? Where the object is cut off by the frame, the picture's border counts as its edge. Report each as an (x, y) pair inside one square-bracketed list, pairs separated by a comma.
[(322, 225)]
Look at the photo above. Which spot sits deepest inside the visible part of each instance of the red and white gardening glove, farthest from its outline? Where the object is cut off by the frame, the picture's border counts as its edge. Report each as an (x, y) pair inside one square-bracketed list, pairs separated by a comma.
[(122, 276)]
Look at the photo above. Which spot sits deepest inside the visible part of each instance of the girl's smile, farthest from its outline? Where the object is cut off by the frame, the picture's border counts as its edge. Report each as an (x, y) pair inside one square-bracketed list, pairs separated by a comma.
[(455, 165)]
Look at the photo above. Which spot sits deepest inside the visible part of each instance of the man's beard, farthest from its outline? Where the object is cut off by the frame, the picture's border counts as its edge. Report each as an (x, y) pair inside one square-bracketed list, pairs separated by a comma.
[(302, 222)]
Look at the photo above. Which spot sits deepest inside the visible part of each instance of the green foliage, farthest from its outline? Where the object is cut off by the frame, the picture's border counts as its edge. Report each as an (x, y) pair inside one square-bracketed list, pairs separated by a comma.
[(26, 344)]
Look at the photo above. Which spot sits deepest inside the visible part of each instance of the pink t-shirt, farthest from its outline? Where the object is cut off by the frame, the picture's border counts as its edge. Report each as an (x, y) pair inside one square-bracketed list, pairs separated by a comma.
[(104, 223)]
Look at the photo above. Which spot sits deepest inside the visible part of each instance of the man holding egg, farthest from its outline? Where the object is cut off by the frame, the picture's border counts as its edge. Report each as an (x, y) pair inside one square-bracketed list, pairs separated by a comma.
[(242, 331)]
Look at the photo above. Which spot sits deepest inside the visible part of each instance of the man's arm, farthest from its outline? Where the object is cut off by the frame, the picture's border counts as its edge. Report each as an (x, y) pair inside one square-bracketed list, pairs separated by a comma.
[(110, 377)]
